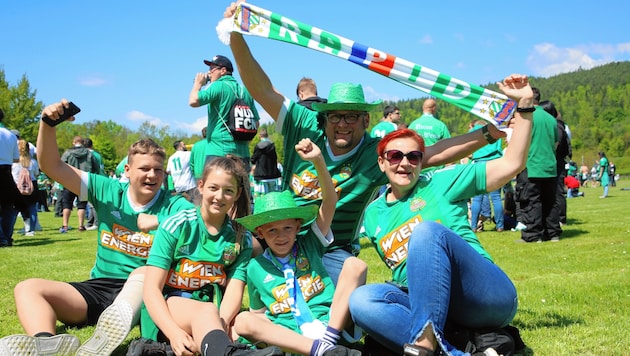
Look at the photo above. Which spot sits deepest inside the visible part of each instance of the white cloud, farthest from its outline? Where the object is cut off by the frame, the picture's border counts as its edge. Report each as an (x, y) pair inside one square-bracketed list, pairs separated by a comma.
[(201, 122), (372, 95), (426, 39), (195, 127), (92, 81), (547, 59), (136, 115), (264, 117)]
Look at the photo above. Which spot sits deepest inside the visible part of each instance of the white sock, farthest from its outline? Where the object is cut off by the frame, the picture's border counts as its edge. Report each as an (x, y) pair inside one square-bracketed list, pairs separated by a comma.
[(131, 293)]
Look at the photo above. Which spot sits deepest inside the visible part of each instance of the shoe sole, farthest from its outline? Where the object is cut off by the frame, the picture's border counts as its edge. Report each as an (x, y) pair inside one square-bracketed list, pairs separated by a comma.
[(112, 328), (24, 345)]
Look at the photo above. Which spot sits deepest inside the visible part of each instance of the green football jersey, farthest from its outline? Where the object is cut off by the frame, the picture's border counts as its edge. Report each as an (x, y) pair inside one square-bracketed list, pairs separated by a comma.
[(355, 175), (441, 196), (267, 286), (122, 247), (194, 257)]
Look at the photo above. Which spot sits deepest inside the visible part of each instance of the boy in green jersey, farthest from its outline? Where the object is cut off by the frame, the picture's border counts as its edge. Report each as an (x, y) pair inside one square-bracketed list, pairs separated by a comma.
[(111, 298), (290, 293)]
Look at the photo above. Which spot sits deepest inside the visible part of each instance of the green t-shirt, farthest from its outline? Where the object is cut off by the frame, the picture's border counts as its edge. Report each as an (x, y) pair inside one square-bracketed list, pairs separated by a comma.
[(603, 165), (198, 158), (488, 152), (99, 159), (219, 97), (194, 257), (267, 286), (120, 169), (430, 128), (383, 128), (355, 175), (441, 197), (122, 247), (541, 160)]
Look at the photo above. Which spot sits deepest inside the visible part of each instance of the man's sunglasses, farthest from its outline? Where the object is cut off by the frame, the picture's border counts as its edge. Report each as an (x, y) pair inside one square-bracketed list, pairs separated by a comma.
[(396, 156)]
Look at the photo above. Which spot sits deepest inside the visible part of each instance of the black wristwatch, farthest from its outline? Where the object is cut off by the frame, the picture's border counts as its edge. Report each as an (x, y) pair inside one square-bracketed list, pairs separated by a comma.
[(487, 135)]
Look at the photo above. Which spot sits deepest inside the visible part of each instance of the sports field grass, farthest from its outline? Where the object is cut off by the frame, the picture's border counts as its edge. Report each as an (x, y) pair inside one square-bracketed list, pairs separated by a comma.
[(574, 294)]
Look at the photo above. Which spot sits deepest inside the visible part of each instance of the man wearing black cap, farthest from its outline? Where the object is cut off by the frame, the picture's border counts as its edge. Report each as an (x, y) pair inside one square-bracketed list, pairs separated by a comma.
[(219, 97)]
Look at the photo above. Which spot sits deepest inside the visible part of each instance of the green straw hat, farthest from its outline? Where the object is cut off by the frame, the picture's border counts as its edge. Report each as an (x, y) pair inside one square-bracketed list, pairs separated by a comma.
[(276, 206), (345, 96)]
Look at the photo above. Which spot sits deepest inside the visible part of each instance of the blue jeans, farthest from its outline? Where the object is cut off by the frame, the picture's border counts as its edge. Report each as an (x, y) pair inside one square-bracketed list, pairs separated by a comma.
[(31, 218), (448, 281), (481, 205), (333, 262), (8, 215)]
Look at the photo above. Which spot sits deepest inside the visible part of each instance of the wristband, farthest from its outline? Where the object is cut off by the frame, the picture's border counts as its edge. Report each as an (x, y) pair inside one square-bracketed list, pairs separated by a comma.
[(487, 135), (529, 109)]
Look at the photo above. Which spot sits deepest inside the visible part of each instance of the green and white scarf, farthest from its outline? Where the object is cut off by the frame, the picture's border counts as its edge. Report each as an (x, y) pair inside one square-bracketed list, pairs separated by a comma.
[(486, 104)]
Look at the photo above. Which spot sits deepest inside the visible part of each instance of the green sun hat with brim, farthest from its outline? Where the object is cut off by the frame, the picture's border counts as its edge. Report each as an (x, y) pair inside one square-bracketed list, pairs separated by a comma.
[(276, 206), (346, 96)]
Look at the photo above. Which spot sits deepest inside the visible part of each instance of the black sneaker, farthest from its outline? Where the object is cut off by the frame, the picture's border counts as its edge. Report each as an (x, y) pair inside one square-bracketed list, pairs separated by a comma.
[(243, 349), (342, 351), (148, 347)]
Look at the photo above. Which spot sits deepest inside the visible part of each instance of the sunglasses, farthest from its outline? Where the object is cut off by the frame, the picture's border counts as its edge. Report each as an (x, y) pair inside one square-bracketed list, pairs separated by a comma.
[(396, 156), (349, 118)]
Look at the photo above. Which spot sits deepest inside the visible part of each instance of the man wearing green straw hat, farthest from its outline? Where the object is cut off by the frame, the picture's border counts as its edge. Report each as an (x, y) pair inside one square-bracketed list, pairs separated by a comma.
[(288, 285), (349, 151)]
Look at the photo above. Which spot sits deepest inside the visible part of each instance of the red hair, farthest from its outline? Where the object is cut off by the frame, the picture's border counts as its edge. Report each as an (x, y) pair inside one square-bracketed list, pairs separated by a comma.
[(400, 133)]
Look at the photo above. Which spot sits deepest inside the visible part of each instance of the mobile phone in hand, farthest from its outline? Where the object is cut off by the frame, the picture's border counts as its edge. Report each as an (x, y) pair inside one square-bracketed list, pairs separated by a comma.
[(68, 112)]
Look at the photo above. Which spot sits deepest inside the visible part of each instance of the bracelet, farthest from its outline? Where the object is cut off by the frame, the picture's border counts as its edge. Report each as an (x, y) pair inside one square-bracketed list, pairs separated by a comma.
[(529, 109), (487, 135)]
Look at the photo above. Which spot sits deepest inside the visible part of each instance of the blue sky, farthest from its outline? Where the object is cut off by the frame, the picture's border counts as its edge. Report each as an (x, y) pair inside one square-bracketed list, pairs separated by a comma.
[(134, 61)]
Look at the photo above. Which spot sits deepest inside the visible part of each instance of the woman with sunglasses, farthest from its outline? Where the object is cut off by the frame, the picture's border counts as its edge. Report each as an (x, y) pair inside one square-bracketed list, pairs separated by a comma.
[(440, 272)]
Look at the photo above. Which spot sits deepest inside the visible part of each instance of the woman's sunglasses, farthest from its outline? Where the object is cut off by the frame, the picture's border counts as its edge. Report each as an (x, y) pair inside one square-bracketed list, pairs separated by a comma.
[(396, 156)]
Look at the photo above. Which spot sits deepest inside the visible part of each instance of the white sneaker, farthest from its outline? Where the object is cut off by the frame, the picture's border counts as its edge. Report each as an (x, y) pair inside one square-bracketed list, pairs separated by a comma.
[(112, 328), (91, 228), (24, 345), (519, 227), (29, 234), (491, 352)]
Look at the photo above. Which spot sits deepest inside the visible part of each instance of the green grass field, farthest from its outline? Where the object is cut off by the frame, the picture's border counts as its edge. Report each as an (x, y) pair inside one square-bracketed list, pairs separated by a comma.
[(574, 294)]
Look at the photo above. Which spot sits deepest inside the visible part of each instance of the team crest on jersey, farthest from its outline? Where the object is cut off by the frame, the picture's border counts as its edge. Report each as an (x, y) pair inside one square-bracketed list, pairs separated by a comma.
[(302, 263), (229, 254), (346, 171), (417, 204)]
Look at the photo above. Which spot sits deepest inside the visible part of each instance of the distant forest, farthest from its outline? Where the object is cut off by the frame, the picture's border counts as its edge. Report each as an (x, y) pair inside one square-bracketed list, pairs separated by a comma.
[(594, 103)]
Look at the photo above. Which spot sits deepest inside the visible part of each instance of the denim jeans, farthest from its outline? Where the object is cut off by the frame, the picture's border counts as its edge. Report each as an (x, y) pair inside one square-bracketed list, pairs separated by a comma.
[(448, 281), (8, 215), (333, 262), (477, 206), (30, 217)]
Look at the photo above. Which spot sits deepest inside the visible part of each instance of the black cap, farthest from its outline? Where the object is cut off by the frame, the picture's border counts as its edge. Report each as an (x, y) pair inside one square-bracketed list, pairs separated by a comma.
[(220, 61)]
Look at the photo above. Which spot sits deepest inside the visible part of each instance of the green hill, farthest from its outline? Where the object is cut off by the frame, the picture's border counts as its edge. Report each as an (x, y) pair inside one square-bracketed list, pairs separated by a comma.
[(594, 103)]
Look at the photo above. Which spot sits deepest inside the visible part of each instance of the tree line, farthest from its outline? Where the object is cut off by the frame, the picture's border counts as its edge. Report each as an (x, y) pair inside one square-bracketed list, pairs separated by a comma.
[(595, 104)]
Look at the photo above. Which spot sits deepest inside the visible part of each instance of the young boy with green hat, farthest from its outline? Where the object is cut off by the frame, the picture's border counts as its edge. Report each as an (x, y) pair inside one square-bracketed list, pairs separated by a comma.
[(288, 285)]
